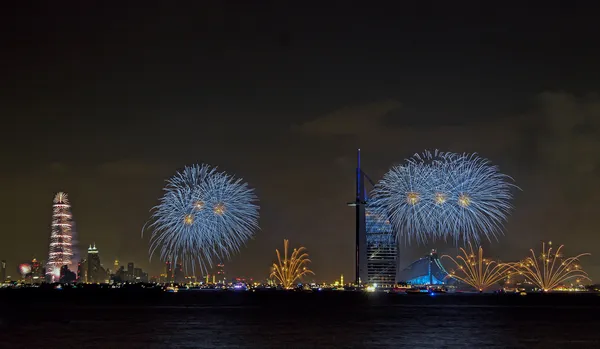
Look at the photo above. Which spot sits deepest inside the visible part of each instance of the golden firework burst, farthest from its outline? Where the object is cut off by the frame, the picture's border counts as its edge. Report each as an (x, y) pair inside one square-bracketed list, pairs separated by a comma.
[(188, 219), (464, 200), (477, 271), (288, 270), (412, 198), (550, 269), (220, 209), (440, 198)]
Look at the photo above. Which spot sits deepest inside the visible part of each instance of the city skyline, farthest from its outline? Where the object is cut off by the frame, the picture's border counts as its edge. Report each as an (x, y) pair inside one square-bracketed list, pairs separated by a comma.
[(283, 96)]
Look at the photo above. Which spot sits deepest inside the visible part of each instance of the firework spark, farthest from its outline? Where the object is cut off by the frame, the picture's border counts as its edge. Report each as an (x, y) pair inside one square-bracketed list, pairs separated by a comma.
[(445, 195), (288, 270), (550, 269), (61, 246), (203, 215), (477, 271)]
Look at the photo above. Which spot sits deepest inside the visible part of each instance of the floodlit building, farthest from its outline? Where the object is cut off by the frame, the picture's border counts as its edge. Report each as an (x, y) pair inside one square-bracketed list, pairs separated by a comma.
[(382, 250), (376, 255), (427, 270)]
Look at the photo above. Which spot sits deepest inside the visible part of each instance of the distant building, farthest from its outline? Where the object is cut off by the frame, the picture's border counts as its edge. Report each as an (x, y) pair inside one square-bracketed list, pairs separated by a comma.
[(120, 275), (178, 275), (66, 275), (130, 272), (221, 274), (169, 271), (2, 271), (137, 274), (82, 271), (96, 274), (37, 271), (116, 265), (382, 250), (427, 270)]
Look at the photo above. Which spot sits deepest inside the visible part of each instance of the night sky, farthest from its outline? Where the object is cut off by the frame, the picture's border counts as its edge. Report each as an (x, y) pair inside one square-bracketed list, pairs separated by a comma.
[(106, 103)]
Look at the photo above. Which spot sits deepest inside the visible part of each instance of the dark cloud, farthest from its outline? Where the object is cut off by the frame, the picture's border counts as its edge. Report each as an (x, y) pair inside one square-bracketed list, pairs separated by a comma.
[(351, 120)]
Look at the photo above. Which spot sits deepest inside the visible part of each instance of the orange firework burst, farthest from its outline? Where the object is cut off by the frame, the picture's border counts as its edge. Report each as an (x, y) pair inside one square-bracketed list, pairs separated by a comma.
[(549, 269), (288, 270), (476, 271)]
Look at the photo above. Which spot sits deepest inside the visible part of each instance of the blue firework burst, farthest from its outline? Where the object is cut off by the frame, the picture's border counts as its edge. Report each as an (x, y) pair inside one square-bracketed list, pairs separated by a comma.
[(203, 215), (437, 195)]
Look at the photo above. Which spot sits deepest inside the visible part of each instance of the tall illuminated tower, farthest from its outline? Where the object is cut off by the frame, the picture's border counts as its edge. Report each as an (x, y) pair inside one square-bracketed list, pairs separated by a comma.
[(376, 254), (361, 232), (60, 252), (95, 274)]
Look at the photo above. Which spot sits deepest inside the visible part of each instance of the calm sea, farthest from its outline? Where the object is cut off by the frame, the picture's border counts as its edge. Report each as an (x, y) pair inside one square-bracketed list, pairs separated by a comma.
[(201, 319)]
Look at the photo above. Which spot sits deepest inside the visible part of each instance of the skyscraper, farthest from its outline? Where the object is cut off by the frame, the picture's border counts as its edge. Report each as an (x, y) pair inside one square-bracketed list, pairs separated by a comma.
[(130, 272), (376, 247), (82, 271), (361, 235), (382, 249), (137, 274), (95, 271), (2, 271), (60, 251)]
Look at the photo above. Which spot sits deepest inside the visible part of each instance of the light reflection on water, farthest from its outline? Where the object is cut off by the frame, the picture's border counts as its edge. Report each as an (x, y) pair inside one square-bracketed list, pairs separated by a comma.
[(306, 323)]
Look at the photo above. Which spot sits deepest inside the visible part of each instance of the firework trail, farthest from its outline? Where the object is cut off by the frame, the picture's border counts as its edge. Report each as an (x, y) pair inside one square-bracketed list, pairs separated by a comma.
[(203, 215), (437, 195)]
